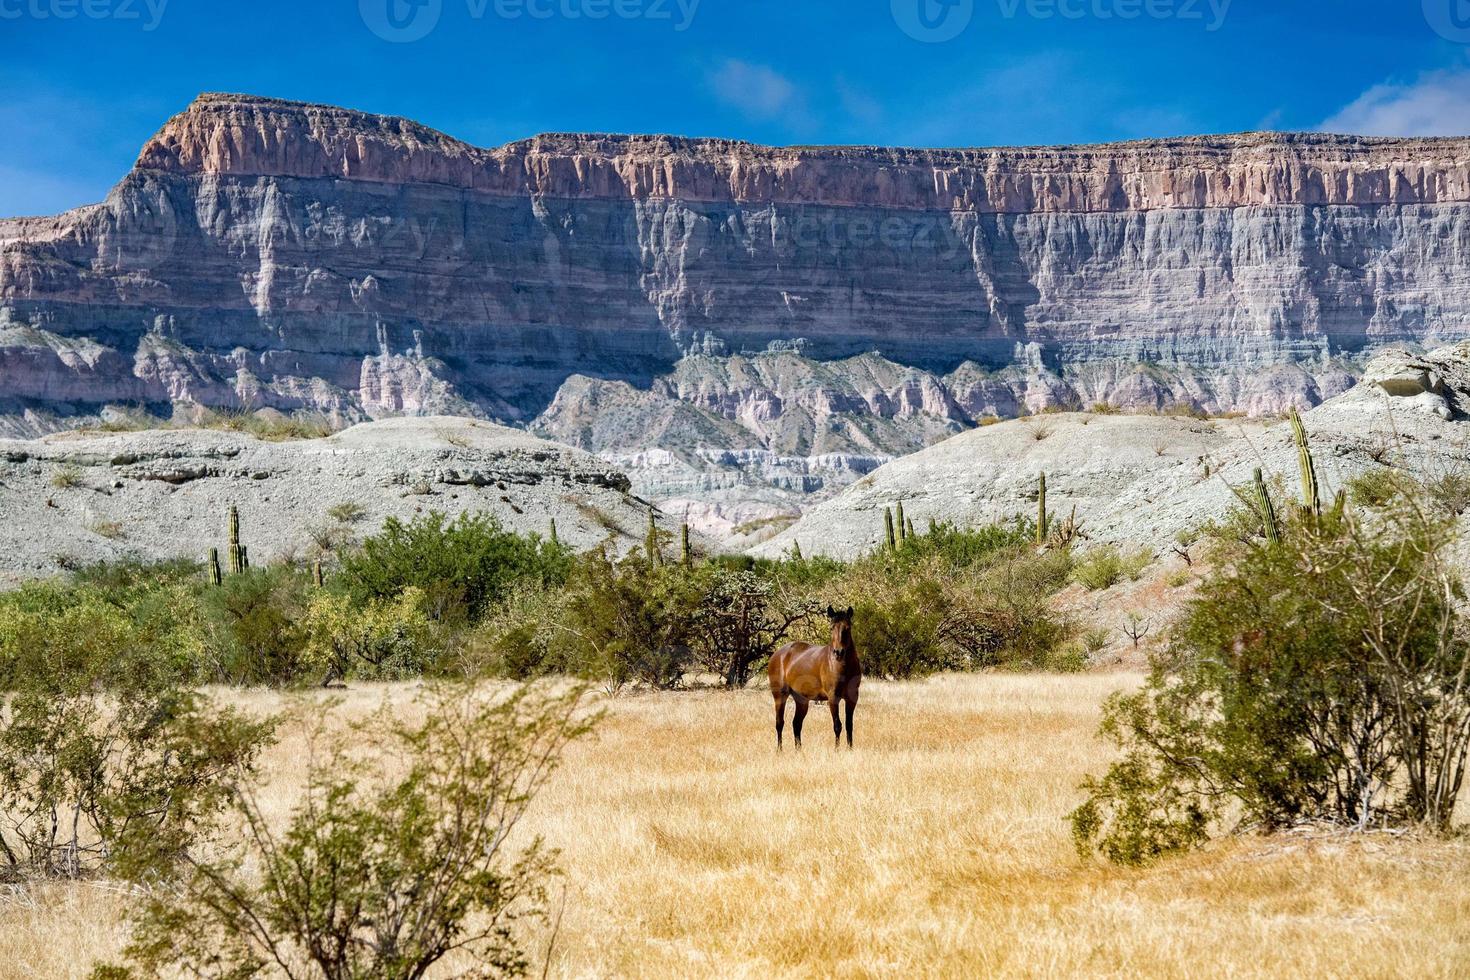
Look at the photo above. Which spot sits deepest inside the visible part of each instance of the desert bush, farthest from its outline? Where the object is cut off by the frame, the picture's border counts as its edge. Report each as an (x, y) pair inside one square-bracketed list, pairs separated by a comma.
[(632, 621), (1324, 678), (347, 512), (1375, 487), (254, 620), (1451, 491), (462, 566), (377, 875), (1105, 566), (743, 618), (67, 477), (380, 639), (524, 638), (105, 759)]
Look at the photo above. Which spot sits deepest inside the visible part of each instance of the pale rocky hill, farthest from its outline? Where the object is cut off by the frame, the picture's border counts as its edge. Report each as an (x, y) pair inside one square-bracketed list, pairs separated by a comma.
[(1140, 480), (80, 497)]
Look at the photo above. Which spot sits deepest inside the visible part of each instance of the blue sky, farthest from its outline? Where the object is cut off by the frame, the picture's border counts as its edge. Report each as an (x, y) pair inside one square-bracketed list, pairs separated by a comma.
[(84, 82)]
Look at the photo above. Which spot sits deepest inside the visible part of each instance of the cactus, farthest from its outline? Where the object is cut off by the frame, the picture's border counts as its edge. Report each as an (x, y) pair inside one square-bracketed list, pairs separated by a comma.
[(902, 525), (215, 577), (317, 578), (796, 551), (554, 540), (237, 552), (1311, 500), (686, 554), (244, 558), (1041, 517), (1339, 506), (888, 535), (650, 544), (909, 533), (1267, 510)]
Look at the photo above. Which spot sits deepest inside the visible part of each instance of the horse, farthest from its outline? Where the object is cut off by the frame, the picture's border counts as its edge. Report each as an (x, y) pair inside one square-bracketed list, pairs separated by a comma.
[(810, 673)]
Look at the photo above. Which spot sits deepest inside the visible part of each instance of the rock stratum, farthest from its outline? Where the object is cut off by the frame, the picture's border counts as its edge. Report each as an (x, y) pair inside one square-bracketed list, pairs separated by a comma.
[(74, 498), (741, 326)]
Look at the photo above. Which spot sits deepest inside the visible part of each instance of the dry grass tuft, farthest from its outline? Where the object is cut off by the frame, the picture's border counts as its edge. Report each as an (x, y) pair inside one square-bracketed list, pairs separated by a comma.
[(938, 848)]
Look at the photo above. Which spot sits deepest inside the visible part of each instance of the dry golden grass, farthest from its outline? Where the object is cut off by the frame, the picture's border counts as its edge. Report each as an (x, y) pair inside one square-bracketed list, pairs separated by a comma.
[(938, 848)]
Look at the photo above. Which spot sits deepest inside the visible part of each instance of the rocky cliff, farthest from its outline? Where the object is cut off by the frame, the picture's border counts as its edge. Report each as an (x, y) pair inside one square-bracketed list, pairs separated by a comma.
[(709, 297)]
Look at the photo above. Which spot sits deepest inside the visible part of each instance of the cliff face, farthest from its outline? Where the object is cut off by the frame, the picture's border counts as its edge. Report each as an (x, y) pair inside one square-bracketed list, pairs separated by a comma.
[(310, 258)]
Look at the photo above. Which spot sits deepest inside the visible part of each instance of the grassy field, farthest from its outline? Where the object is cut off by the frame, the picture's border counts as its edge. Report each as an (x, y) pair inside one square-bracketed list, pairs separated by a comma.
[(938, 848)]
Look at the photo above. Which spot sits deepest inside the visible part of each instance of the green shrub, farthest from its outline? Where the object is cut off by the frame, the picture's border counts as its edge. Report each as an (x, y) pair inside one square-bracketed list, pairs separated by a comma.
[(1105, 566), (389, 863), (1375, 487), (461, 566), (106, 761), (255, 634), (1319, 679), (380, 639)]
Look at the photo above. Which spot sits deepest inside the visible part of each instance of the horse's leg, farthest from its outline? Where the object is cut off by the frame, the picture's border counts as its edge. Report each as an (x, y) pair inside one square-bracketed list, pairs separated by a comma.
[(836, 722), (800, 716), (851, 704), (780, 716)]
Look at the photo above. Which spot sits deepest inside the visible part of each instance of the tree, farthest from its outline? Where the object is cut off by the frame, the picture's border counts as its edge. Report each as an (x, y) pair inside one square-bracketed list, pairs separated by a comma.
[(742, 619), (375, 875)]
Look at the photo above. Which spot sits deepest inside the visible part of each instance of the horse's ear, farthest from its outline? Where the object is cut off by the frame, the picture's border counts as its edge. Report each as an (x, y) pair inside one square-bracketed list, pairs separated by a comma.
[(831, 613), (849, 614)]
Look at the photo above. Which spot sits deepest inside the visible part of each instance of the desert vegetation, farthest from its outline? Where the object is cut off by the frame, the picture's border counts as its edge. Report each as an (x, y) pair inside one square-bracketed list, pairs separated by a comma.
[(443, 748)]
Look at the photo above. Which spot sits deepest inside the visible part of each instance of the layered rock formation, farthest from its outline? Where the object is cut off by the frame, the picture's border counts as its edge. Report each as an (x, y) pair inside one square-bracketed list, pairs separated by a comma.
[(79, 497), (308, 258), (1139, 480)]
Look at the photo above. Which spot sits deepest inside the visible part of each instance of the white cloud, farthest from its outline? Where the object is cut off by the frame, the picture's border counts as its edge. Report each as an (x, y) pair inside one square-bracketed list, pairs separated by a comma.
[(1437, 103), (757, 91)]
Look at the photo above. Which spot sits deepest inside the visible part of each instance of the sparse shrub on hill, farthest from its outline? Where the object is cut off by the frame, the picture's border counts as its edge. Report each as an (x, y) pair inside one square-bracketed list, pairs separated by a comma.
[(1324, 677), (391, 862), (1104, 566)]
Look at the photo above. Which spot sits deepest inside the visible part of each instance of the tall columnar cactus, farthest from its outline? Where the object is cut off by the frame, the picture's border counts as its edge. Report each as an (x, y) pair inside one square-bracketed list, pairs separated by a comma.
[(1041, 517), (1339, 506), (650, 543), (889, 537), (796, 551), (215, 576), (1311, 499), (1267, 510), (237, 553), (554, 540), (909, 532), (317, 578), (686, 554), (902, 526)]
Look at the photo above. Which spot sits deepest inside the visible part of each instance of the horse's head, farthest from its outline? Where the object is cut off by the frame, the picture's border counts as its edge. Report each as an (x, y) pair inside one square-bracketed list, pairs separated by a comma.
[(841, 620)]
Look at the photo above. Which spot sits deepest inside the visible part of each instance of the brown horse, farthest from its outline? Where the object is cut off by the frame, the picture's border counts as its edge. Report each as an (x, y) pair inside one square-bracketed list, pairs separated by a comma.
[(809, 673)]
